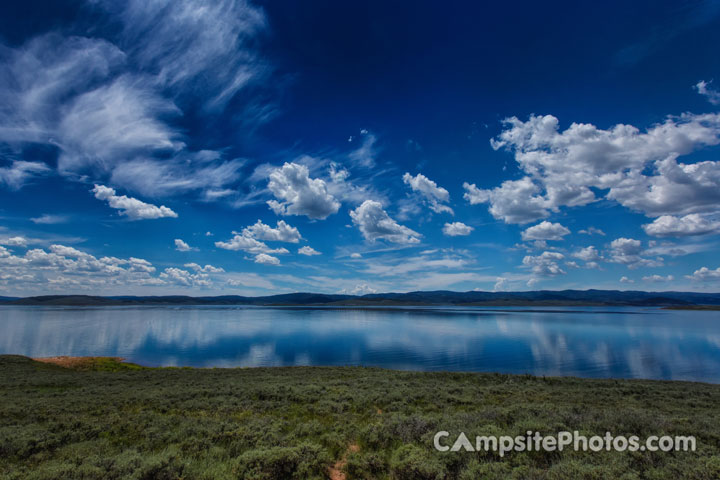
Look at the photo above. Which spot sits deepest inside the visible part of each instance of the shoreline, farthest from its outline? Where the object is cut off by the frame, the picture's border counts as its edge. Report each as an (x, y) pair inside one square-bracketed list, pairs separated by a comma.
[(100, 363)]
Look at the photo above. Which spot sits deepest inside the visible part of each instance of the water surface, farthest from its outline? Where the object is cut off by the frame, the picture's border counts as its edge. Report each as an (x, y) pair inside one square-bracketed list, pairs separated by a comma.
[(586, 342)]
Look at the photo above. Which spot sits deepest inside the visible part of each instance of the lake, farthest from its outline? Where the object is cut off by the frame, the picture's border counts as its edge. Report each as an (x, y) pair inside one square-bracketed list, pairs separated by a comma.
[(579, 341)]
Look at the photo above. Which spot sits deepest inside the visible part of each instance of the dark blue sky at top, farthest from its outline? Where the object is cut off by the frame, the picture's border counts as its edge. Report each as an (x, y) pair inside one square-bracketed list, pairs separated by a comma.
[(432, 83)]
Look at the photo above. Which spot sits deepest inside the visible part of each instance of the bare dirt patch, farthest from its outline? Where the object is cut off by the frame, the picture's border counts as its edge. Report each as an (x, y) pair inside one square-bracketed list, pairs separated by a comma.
[(75, 362)]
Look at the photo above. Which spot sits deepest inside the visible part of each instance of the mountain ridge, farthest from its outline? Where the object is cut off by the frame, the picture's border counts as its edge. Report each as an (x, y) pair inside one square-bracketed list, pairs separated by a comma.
[(437, 297)]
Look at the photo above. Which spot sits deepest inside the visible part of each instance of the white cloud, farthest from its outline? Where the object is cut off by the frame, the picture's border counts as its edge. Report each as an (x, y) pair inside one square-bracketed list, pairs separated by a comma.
[(132, 208), (692, 224), (712, 95), (436, 197), (625, 279), (628, 251), (501, 285), (545, 231), (63, 266), (109, 109), (185, 278), (181, 246), (592, 231), (216, 37), (562, 167), (359, 289), (456, 229), (20, 172), (47, 219), (355, 255), (43, 72), (658, 278), (266, 259), (249, 245), (300, 194), (514, 201), (364, 156), (205, 269), (184, 172), (705, 274), (374, 223), (388, 267), (545, 264), (281, 233), (16, 241), (588, 254), (115, 123), (309, 251)]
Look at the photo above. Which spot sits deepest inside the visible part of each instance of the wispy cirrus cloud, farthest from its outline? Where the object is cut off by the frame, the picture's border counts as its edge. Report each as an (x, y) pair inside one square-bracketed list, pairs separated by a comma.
[(111, 106)]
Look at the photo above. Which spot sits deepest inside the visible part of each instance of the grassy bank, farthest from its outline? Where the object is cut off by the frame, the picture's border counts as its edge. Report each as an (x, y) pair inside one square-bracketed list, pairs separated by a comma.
[(103, 420)]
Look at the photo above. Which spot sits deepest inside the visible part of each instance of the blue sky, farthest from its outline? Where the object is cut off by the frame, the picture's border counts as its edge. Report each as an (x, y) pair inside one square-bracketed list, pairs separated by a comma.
[(188, 147)]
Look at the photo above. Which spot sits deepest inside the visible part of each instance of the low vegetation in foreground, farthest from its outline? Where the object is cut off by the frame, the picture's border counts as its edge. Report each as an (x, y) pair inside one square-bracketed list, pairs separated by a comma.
[(102, 419)]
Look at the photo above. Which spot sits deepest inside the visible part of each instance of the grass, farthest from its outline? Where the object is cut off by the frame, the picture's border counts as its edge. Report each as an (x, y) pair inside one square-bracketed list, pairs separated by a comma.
[(110, 420)]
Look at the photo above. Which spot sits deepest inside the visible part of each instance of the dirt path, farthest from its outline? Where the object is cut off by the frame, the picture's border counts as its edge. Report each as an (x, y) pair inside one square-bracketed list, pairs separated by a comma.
[(336, 471)]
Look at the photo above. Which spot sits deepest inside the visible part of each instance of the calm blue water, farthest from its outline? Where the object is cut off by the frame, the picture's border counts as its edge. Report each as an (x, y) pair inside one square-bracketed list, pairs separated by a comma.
[(586, 342)]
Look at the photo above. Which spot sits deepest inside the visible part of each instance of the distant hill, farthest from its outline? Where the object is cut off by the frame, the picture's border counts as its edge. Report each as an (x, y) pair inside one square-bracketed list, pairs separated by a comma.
[(440, 297)]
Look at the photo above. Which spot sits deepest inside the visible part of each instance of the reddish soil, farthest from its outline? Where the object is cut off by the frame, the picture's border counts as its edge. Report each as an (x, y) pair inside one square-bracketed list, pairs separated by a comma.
[(72, 362)]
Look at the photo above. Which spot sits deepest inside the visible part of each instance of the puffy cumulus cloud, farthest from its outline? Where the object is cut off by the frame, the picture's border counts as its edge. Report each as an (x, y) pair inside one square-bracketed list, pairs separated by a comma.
[(181, 246), (688, 225), (249, 240), (501, 285), (704, 89), (355, 255), (249, 245), (299, 194), (592, 231), (588, 254), (705, 274), (456, 229), (628, 251), (281, 233), (545, 231), (676, 189), (514, 201), (308, 250), (359, 289), (436, 197), (63, 266), (625, 279), (16, 241), (545, 264), (657, 278), (130, 207), (205, 269), (637, 169), (266, 259), (374, 223), (182, 277)]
